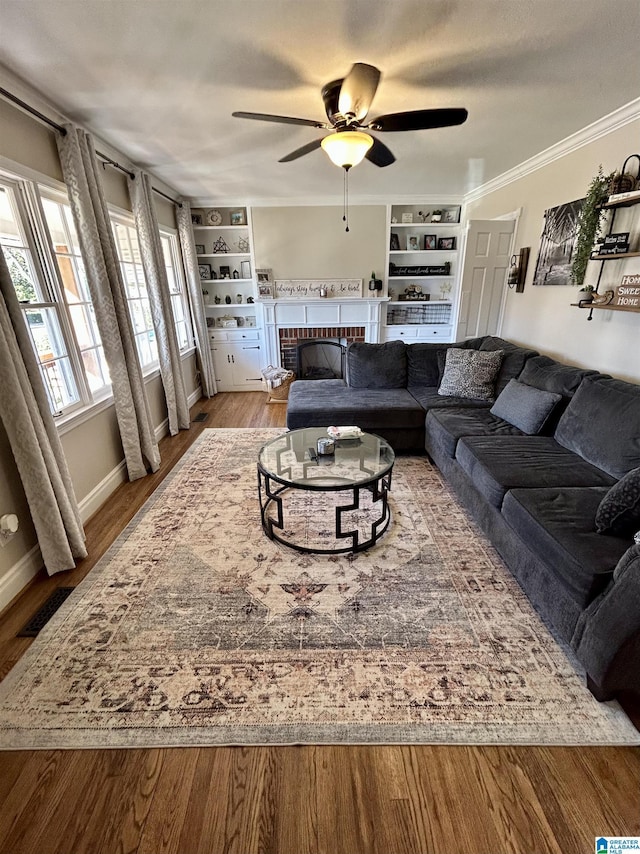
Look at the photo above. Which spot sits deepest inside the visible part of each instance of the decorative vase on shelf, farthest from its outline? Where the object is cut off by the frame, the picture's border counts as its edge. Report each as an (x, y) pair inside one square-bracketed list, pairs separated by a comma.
[(239, 298), (227, 299), (217, 299)]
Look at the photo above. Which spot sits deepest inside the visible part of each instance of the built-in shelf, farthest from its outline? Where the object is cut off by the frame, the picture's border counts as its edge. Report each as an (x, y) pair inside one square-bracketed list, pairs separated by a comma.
[(215, 281), (412, 278), (219, 227), (419, 302)]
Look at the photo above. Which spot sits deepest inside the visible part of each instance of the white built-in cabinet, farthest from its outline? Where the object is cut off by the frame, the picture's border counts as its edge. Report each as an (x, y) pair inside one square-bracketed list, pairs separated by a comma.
[(224, 247), (424, 247)]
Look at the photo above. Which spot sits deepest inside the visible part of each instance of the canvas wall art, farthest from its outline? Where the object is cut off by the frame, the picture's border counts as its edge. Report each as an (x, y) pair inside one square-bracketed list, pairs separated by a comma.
[(557, 242)]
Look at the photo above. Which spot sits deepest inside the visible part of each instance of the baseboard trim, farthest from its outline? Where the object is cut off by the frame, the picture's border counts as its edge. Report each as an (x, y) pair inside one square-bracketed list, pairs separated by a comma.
[(21, 573), (92, 502)]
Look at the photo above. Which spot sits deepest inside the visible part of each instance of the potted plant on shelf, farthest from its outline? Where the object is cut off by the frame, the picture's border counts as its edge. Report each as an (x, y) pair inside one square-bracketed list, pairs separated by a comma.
[(589, 293), (589, 226), (436, 216)]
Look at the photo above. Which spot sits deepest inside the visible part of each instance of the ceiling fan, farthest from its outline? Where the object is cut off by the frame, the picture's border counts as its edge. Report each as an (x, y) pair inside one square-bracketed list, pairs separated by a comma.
[(347, 102)]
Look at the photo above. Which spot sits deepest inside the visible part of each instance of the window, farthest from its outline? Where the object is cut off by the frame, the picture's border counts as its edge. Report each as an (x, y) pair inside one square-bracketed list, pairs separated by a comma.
[(138, 298), (37, 291), (73, 278)]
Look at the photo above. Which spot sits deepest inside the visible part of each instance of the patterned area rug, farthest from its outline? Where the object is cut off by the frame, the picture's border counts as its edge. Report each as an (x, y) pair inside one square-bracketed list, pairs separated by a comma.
[(195, 629)]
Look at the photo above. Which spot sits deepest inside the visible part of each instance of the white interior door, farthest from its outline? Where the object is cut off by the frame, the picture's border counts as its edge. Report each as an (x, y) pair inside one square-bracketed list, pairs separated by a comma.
[(484, 277)]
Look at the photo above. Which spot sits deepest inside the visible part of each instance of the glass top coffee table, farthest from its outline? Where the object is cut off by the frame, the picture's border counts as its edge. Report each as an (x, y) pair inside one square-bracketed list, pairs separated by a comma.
[(314, 503)]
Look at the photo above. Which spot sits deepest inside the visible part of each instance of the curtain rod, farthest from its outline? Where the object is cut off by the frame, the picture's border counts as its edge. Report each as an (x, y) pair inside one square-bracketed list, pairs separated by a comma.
[(10, 97)]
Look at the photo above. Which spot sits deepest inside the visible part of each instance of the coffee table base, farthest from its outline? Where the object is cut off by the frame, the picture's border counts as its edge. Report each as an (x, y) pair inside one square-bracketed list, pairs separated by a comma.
[(273, 493)]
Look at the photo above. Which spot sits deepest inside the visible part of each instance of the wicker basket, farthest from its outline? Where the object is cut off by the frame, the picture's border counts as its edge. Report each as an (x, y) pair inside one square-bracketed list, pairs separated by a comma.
[(625, 182), (281, 393)]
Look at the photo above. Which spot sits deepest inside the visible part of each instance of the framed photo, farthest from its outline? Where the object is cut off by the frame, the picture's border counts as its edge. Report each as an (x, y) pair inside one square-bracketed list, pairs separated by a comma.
[(196, 219), (407, 217), (264, 277), (245, 269), (199, 248), (430, 241), (265, 291), (238, 217), (395, 242), (413, 242), (205, 271), (446, 243), (451, 215), (225, 271)]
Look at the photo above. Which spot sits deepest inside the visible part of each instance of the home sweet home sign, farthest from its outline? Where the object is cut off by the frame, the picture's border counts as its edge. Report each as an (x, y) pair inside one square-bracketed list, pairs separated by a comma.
[(627, 294)]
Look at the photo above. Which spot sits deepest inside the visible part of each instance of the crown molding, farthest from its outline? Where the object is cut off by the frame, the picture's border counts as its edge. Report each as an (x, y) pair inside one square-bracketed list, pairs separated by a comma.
[(327, 201), (607, 124)]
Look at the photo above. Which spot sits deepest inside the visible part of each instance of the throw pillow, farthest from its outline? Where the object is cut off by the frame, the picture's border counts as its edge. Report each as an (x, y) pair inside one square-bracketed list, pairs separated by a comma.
[(524, 406), (470, 373), (619, 511)]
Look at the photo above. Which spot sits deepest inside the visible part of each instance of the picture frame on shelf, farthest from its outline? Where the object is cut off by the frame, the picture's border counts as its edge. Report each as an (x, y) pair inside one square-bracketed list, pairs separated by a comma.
[(225, 271), (245, 269), (413, 242), (204, 271), (238, 217), (265, 291), (446, 243), (199, 248), (451, 214), (394, 243), (430, 241), (264, 276), (407, 218), (196, 219)]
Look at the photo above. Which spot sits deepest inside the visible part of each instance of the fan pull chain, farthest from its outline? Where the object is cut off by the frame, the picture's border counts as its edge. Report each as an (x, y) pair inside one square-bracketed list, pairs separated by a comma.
[(345, 198)]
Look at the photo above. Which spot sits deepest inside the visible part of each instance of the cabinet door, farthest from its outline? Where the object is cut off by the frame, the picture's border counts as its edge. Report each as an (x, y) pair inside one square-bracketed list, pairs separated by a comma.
[(246, 363), (222, 366)]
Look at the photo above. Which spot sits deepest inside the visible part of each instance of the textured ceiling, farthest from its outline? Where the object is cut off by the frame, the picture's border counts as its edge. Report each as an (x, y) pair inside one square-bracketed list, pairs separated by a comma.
[(159, 81)]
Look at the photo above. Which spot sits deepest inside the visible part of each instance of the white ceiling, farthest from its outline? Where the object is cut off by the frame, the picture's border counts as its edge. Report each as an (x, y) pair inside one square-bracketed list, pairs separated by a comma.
[(159, 81)]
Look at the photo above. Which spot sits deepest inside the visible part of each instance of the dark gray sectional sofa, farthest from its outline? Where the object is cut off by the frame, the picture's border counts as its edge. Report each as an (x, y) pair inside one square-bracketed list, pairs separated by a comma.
[(554, 461)]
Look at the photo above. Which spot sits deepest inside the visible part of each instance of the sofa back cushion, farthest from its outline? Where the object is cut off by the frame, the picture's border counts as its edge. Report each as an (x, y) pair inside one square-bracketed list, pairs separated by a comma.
[(549, 375), (470, 374), (524, 406), (602, 424), (425, 364), (513, 360), (377, 365)]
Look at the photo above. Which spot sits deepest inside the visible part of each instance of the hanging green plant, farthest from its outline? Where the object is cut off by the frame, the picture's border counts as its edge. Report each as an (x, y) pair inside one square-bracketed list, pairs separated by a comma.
[(589, 224)]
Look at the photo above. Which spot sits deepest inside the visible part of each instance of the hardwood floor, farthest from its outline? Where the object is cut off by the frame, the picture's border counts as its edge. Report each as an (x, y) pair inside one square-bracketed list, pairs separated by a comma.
[(297, 800)]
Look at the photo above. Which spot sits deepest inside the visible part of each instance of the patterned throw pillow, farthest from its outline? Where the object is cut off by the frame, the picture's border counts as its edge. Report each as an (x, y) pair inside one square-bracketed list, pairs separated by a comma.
[(470, 373), (619, 511)]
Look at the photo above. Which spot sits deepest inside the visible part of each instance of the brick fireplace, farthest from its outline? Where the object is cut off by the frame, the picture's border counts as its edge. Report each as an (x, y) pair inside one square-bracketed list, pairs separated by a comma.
[(290, 337)]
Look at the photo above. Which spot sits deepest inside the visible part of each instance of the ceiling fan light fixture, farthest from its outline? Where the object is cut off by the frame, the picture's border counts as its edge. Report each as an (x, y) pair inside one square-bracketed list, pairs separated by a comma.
[(347, 148)]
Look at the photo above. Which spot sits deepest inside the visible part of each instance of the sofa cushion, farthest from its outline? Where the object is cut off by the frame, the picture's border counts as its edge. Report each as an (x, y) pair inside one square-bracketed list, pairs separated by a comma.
[(545, 373), (319, 403), (557, 524), (602, 424), (524, 406), (619, 510), (470, 374), (496, 464), (428, 398), (425, 363), (513, 360), (446, 426), (377, 365)]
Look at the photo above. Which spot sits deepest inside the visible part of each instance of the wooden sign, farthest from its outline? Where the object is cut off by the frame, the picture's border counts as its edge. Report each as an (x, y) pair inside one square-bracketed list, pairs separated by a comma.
[(312, 288), (627, 294)]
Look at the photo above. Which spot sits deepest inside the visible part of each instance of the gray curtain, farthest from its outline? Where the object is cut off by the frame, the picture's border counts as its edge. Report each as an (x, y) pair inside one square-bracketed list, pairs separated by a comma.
[(198, 316), (27, 419), (82, 177), (155, 273)]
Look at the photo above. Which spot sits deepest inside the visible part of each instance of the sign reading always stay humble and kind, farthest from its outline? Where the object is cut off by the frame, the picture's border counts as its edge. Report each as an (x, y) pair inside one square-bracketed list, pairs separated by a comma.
[(310, 288), (627, 294)]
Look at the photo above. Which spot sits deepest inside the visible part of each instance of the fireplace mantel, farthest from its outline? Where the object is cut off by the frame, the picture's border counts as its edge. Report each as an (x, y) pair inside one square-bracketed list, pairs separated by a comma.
[(322, 312)]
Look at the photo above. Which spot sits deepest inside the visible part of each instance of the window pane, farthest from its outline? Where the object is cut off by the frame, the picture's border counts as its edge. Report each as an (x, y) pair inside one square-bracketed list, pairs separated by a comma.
[(96, 369), (46, 334)]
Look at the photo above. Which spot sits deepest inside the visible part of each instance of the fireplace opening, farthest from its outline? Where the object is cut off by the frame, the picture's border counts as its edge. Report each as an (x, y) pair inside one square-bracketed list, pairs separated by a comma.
[(320, 359)]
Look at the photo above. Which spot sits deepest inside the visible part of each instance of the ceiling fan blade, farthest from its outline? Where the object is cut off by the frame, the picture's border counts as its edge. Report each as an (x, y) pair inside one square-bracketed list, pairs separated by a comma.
[(357, 90), (420, 120), (300, 152), (286, 120), (379, 154)]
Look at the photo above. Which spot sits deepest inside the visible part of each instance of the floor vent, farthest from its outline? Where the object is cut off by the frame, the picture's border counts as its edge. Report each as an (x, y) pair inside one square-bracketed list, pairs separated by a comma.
[(201, 416), (42, 617)]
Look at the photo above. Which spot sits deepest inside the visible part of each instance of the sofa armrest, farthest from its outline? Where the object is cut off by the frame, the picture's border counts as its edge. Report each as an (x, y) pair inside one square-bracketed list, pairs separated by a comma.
[(607, 635)]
